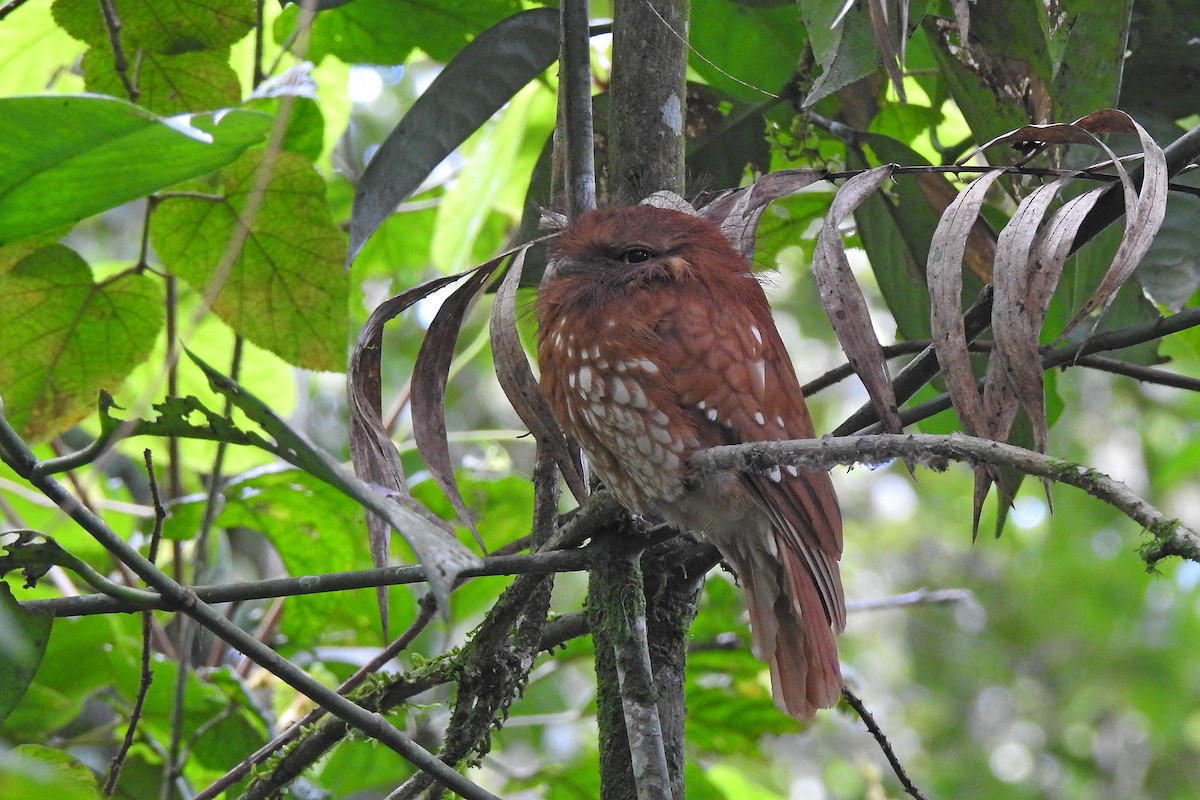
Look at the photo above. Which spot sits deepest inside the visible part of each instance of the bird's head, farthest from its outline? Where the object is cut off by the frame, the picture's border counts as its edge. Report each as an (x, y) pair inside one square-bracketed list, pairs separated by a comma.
[(615, 252)]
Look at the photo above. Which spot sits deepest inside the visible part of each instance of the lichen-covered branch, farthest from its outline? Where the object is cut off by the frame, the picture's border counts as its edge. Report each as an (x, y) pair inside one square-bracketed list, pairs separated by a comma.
[(1170, 536)]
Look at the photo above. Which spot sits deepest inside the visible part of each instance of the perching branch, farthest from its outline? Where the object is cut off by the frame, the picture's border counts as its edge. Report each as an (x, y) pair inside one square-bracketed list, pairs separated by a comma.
[(1170, 536)]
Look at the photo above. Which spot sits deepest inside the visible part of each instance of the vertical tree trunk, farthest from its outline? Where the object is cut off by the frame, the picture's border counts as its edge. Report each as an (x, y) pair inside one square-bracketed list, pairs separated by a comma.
[(648, 92), (645, 154)]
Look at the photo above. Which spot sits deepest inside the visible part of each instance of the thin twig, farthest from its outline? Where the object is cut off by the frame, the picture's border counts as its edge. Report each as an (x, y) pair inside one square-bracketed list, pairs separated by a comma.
[(914, 598), (113, 23), (89, 604), (884, 745), (147, 674)]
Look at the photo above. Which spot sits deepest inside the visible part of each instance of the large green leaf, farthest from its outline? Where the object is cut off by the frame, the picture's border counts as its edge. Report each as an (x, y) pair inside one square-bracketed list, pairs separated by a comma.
[(160, 26), (387, 31), (66, 338), (34, 770), (168, 84), (281, 284), (741, 45), (1093, 39), (66, 158)]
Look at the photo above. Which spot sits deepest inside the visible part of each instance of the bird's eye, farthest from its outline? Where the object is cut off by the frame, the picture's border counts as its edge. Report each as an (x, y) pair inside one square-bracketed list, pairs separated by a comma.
[(636, 255)]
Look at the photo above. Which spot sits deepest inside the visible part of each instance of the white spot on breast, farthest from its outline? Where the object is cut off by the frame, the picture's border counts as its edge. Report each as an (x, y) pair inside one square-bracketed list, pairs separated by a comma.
[(648, 366), (779, 421), (620, 392), (760, 372), (595, 351), (602, 364), (599, 409), (791, 468), (711, 414), (571, 379), (645, 446), (759, 418), (756, 333), (612, 323), (620, 368), (660, 418), (639, 397), (661, 434), (701, 405), (583, 354), (570, 352), (585, 379), (775, 474)]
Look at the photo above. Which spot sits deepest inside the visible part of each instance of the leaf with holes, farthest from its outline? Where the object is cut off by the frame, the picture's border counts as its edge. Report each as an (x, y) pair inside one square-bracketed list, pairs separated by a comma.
[(280, 281), (66, 338)]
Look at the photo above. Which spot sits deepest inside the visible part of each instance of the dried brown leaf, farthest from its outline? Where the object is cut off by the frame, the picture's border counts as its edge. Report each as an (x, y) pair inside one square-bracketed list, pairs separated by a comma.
[(516, 378), (1016, 317), (981, 242), (944, 274), (737, 212), (430, 374), (1144, 213), (372, 452), (843, 298)]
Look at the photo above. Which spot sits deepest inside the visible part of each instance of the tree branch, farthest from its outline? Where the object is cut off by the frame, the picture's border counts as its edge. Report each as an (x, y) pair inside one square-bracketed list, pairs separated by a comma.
[(1170, 536)]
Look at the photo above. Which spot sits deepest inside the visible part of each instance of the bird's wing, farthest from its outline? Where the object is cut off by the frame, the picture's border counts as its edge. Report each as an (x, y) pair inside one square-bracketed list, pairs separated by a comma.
[(733, 376)]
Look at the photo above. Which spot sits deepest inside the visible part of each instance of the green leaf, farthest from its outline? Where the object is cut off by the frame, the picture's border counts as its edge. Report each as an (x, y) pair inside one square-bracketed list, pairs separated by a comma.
[(281, 284), (1091, 39), (66, 338), (846, 52), (108, 645), (63, 158), (315, 528), (25, 637), (1002, 81), (387, 31), (160, 26), (200, 81), (34, 770), (742, 45)]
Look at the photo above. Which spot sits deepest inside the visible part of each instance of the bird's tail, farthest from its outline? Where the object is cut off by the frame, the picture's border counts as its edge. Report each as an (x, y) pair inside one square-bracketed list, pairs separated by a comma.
[(791, 630)]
